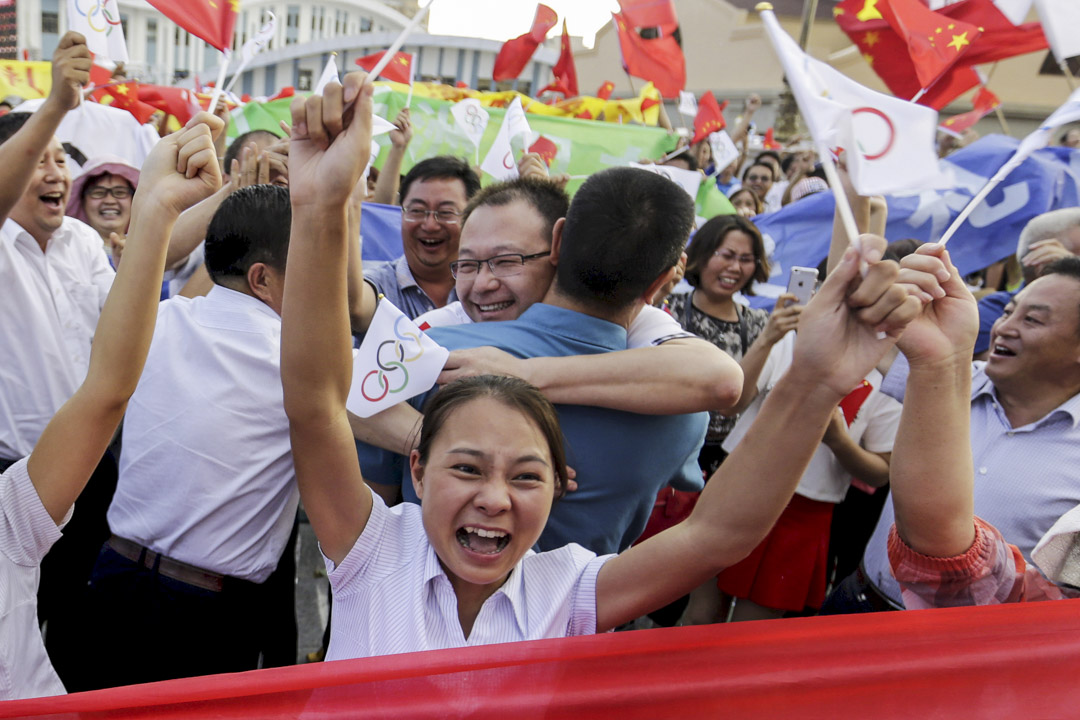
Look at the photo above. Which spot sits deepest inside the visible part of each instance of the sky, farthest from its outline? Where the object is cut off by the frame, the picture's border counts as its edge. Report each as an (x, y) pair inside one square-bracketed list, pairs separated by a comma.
[(504, 19)]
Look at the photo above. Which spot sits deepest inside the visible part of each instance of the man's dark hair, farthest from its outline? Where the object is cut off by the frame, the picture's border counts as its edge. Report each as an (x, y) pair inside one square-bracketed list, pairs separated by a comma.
[(251, 226), (543, 195), (769, 153), (233, 153), (441, 167), (10, 124), (625, 227), (759, 163), (1068, 266)]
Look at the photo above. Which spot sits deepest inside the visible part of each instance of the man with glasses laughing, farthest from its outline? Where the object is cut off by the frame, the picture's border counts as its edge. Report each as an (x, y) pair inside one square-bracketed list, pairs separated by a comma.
[(433, 195)]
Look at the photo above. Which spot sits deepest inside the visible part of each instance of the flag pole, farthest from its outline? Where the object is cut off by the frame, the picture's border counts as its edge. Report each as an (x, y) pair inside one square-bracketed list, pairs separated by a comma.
[(1069, 77), (219, 86), (631, 81), (400, 40)]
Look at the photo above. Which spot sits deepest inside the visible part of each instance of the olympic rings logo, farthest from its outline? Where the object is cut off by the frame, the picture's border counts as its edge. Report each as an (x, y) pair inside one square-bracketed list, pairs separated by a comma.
[(394, 365), (97, 8)]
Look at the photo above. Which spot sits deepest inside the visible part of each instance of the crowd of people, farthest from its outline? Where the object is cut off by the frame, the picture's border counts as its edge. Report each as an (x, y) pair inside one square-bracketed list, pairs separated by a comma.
[(618, 439)]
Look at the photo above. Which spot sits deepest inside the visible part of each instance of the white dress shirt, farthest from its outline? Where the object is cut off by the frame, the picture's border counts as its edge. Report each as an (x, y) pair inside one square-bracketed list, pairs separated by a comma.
[(206, 472), (391, 594), (49, 307), (26, 534)]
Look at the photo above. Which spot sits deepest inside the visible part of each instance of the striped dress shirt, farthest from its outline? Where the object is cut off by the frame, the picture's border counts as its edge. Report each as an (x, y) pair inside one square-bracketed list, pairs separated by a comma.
[(391, 595), (26, 534)]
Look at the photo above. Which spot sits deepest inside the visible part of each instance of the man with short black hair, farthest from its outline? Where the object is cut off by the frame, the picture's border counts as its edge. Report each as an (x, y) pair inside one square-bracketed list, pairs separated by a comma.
[(434, 194)]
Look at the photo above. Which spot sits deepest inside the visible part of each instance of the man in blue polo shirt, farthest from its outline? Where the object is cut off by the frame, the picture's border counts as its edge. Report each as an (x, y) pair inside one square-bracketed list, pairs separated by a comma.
[(618, 245)]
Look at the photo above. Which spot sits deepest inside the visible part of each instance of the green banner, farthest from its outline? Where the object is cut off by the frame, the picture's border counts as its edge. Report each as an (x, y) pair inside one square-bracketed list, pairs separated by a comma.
[(584, 146)]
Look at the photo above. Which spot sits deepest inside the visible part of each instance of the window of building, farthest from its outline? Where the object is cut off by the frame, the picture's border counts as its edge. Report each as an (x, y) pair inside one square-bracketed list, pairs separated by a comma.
[(270, 85), (483, 84), (292, 25), (303, 81), (318, 22), (50, 27), (151, 42)]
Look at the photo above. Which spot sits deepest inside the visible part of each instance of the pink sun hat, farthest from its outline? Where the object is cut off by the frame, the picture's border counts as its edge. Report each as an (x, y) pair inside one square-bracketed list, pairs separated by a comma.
[(96, 167)]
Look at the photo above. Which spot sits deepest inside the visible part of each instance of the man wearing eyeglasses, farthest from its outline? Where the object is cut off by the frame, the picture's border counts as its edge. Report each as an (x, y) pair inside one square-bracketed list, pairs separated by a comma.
[(434, 195), (570, 289)]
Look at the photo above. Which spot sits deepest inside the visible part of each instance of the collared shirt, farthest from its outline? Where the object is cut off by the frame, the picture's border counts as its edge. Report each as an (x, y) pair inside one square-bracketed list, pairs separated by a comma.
[(51, 303), (391, 594), (652, 326), (992, 571), (1025, 478), (206, 473), (395, 280), (622, 459), (26, 534)]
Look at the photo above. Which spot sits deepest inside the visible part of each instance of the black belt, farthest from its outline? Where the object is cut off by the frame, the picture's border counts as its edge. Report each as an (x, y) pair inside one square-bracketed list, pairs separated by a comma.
[(869, 592), (170, 568)]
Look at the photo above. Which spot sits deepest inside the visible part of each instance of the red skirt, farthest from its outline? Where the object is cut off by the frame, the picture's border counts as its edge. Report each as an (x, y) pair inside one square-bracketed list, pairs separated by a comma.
[(787, 571)]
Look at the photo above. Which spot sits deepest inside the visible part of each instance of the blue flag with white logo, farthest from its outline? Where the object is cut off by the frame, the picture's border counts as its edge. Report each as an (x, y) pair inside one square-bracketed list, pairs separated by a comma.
[(1048, 180)]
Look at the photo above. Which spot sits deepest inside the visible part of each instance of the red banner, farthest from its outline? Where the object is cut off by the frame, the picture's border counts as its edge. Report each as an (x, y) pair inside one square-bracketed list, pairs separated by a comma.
[(1005, 661)]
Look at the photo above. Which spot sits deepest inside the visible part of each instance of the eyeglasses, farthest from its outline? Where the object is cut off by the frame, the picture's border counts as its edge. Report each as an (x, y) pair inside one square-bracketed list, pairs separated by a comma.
[(759, 178), (443, 217), (120, 192), (728, 256), (499, 265)]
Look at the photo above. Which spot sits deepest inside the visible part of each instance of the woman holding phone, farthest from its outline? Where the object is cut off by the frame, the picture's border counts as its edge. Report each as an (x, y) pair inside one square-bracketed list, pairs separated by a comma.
[(724, 258)]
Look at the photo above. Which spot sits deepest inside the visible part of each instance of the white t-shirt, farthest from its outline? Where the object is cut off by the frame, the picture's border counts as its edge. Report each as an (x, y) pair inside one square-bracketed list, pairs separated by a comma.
[(50, 309), (26, 534), (652, 326), (874, 427)]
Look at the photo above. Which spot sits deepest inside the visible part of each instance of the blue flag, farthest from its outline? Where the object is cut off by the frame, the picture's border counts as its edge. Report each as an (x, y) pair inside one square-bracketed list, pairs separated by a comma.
[(380, 226), (1048, 180)]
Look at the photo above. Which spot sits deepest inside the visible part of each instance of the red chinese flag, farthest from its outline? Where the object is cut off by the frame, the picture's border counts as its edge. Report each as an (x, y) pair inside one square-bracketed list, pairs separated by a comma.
[(515, 53), (934, 42), (854, 400), (397, 70), (985, 102), (99, 77), (658, 59), (564, 70), (887, 53), (545, 149), (769, 143), (178, 102), (604, 93), (126, 97), (709, 118), (210, 20), (648, 13), (1000, 38)]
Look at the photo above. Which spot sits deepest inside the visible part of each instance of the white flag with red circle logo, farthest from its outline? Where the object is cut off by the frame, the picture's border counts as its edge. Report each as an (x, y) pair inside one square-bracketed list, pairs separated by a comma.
[(396, 361), (889, 144)]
